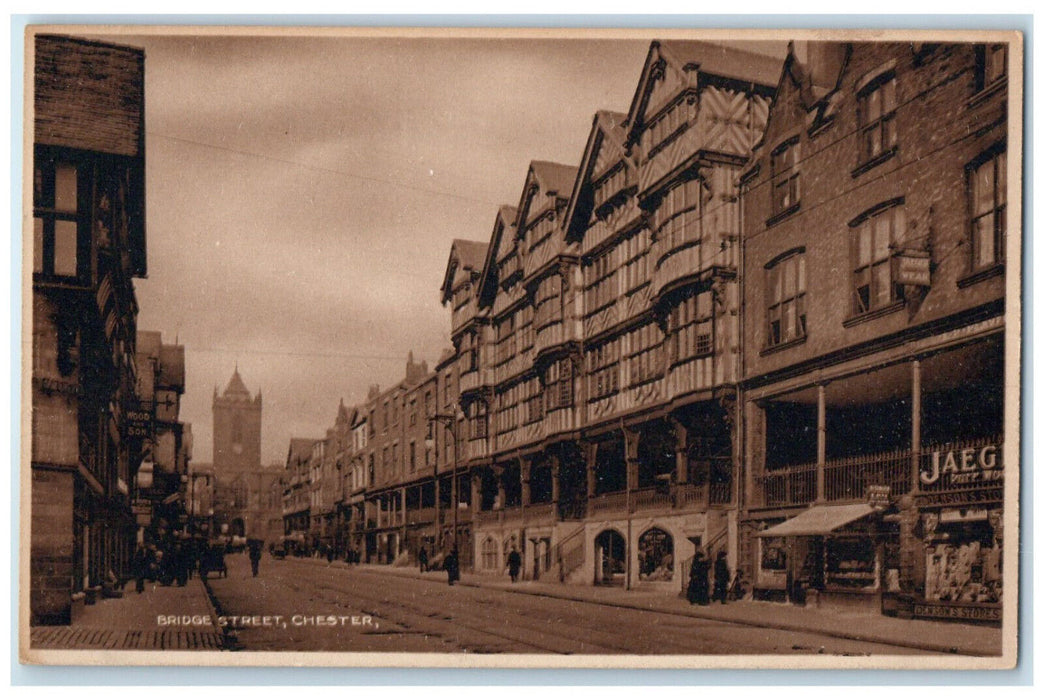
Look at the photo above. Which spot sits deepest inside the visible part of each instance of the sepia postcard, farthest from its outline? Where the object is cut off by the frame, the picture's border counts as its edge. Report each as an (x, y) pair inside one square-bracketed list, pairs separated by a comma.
[(515, 348)]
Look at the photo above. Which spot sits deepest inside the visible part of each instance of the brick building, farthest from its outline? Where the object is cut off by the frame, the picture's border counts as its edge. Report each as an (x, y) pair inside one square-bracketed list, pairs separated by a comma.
[(874, 296), (88, 244)]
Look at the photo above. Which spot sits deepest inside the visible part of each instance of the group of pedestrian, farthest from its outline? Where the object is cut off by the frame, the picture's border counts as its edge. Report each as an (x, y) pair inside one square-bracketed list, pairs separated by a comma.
[(167, 563), (699, 590)]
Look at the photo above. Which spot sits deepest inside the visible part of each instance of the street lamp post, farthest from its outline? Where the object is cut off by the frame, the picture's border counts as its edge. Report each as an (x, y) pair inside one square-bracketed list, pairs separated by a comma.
[(451, 421)]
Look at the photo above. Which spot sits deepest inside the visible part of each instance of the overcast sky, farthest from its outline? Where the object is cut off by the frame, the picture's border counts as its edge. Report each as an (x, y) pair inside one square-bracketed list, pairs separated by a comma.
[(302, 194)]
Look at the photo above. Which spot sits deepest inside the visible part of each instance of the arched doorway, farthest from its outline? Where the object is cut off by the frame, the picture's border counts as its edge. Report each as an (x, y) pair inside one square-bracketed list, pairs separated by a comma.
[(610, 558), (655, 555)]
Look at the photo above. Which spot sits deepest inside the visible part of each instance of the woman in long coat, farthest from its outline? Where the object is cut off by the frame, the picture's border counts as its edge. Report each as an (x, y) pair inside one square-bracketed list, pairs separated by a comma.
[(699, 583), (721, 577), (452, 566)]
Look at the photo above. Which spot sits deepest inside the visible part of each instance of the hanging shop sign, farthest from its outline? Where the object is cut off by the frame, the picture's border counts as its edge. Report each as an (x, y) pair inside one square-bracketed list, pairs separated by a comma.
[(912, 268), (963, 467), (139, 422)]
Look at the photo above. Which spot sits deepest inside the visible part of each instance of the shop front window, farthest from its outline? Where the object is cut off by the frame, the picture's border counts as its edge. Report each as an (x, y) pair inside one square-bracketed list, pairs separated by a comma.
[(964, 554), (851, 562), (655, 556)]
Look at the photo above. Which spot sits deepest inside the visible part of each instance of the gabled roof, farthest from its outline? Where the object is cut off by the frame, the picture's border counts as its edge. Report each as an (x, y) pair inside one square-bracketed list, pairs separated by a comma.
[(342, 414), (300, 448), (725, 61), (814, 70), (504, 223), (467, 255), (555, 178), (550, 179), (706, 58), (606, 125)]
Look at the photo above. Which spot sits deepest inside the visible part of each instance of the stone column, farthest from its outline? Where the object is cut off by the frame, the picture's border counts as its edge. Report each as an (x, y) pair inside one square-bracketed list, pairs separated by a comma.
[(525, 472), (681, 452), (501, 496), (590, 452), (820, 442), (915, 425), (631, 438), (476, 492), (556, 475)]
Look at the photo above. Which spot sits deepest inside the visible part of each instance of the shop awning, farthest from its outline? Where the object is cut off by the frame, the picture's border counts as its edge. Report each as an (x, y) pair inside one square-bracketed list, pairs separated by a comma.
[(819, 520)]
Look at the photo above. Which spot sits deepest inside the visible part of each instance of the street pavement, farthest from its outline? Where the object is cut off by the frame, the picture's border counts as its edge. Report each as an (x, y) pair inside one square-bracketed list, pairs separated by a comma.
[(855, 624), (133, 622), (310, 605)]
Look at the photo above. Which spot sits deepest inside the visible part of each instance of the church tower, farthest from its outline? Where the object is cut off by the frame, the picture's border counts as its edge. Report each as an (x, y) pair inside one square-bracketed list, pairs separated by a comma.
[(237, 429)]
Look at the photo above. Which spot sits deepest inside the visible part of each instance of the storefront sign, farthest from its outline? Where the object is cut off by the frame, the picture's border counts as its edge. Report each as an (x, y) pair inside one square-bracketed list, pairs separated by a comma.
[(961, 515), (969, 466), (950, 611), (913, 268), (142, 510), (956, 498), (139, 423), (878, 496)]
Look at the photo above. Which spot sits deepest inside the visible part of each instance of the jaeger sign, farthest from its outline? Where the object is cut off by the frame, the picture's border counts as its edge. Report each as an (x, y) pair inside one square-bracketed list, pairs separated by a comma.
[(961, 467)]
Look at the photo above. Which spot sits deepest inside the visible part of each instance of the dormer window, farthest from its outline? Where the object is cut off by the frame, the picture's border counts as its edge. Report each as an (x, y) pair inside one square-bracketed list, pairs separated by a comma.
[(877, 133)]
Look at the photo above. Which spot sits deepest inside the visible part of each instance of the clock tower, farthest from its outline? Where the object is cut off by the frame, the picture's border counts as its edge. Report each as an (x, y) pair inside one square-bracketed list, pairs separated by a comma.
[(237, 429)]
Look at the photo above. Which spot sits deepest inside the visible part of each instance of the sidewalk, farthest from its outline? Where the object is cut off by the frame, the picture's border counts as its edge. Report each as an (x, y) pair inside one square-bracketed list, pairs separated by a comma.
[(865, 626), (133, 622)]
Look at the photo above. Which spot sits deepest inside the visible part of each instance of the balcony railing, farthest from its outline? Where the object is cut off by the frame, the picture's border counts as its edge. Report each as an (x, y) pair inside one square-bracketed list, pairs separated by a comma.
[(650, 499), (608, 502), (420, 515), (972, 463), (540, 513)]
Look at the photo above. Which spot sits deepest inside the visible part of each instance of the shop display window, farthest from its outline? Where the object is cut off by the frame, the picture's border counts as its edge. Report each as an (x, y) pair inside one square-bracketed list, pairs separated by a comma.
[(773, 554), (851, 563), (655, 556), (963, 561)]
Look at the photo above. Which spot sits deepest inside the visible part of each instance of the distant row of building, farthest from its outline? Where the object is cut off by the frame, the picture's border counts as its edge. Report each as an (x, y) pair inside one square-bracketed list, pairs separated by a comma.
[(108, 452), (765, 316)]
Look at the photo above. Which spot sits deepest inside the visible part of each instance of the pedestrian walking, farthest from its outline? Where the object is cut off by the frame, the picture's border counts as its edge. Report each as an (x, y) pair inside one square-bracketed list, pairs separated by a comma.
[(140, 567), (721, 578), (697, 592), (514, 563), (422, 559), (181, 563), (255, 547), (452, 566)]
